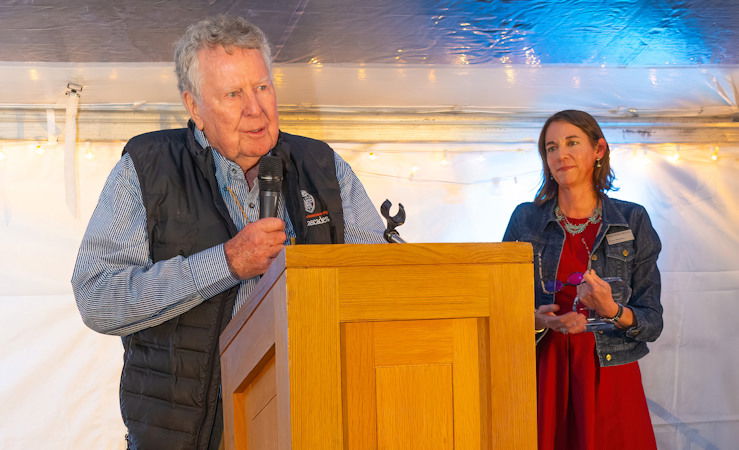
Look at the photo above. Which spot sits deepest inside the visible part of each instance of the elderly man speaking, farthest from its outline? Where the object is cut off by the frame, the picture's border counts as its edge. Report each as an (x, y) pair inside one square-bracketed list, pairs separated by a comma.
[(176, 244)]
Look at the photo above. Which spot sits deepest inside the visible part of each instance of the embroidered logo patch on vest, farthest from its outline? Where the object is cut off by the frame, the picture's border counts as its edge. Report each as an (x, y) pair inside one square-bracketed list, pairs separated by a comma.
[(308, 201), (317, 219)]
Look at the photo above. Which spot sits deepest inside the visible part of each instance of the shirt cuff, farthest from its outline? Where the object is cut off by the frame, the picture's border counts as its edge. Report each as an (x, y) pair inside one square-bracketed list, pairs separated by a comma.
[(210, 271)]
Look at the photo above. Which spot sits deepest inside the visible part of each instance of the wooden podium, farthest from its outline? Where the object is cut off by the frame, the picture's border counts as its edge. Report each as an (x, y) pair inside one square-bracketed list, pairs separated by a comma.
[(388, 346)]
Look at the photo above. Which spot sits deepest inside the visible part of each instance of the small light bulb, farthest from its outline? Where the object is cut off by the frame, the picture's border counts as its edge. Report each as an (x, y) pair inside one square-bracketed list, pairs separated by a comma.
[(714, 154), (675, 157), (372, 156)]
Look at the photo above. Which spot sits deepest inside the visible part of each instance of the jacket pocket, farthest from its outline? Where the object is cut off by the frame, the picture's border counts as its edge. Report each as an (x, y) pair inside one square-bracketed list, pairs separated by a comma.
[(619, 260)]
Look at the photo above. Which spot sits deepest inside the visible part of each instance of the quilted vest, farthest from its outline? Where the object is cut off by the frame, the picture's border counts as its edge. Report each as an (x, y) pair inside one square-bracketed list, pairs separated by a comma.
[(170, 384)]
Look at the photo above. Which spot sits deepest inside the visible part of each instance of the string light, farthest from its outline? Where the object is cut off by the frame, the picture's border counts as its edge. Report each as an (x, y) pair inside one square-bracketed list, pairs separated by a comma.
[(445, 174), (639, 152), (88, 151), (675, 157)]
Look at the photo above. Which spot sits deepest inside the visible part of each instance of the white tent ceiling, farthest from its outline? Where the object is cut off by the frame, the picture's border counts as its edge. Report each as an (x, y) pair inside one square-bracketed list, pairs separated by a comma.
[(619, 33), (462, 54)]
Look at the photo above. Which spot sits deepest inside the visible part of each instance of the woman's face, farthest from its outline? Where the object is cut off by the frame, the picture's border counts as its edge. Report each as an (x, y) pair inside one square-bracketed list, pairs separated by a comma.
[(570, 154)]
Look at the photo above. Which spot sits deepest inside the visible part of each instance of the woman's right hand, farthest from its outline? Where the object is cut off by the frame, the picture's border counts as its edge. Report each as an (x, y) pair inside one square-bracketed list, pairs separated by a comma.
[(570, 322)]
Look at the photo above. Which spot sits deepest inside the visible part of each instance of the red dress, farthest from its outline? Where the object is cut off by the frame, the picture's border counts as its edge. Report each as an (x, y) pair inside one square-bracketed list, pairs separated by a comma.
[(582, 405)]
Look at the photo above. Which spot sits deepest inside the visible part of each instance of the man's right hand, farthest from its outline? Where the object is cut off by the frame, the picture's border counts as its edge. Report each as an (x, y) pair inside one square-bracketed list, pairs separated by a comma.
[(252, 250)]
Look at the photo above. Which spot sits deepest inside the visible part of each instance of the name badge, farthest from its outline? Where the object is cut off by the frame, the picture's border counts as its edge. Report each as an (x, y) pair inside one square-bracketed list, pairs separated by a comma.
[(621, 236)]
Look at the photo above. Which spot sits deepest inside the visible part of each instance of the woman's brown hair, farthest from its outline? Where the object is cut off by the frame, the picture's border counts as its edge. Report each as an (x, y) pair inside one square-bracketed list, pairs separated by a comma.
[(603, 176)]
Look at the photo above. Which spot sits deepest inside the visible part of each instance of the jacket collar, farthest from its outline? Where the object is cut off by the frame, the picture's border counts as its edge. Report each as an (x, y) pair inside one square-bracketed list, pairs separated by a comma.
[(196, 138), (611, 213)]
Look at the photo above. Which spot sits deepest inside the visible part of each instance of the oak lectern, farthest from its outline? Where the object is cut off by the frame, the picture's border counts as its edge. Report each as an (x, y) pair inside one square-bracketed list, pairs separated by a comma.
[(387, 346)]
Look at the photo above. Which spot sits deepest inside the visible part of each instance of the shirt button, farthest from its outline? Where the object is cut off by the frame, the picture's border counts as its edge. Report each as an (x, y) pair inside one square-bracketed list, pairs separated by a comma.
[(594, 257), (609, 357), (252, 205), (625, 253)]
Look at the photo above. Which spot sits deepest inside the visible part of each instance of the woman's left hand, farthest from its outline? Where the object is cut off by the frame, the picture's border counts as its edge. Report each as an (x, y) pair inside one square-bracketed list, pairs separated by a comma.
[(596, 294)]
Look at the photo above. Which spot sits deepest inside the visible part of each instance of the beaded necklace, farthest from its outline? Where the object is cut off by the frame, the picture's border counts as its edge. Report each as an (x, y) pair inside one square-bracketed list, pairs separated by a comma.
[(574, 229)]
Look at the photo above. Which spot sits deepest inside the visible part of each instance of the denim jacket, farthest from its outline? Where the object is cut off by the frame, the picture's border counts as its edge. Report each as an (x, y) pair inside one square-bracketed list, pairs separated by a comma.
[(634, 260)]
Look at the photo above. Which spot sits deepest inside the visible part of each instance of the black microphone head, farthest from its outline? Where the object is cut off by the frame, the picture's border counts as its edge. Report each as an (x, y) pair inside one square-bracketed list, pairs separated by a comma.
[(270, 173)]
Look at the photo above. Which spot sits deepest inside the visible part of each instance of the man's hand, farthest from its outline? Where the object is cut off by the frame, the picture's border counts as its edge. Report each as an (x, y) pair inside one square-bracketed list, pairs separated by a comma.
[(252, 250)]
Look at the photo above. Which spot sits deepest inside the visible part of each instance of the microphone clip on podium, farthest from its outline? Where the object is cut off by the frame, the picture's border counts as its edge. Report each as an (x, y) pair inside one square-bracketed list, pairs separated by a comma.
[(391, 234)]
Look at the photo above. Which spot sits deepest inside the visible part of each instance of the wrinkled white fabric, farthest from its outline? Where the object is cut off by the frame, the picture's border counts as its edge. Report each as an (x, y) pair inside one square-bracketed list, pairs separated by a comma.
[(59, 381)]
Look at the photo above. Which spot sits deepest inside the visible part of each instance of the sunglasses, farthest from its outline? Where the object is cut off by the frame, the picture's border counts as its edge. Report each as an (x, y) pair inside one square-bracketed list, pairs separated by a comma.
[(574, 279)]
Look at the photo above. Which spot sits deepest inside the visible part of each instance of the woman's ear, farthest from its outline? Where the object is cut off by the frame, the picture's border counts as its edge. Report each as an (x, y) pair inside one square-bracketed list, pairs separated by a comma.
[(600, 148)]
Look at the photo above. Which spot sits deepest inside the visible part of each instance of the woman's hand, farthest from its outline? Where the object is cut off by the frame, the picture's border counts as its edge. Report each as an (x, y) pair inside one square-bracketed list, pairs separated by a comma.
[(570, 322), (596, 294)]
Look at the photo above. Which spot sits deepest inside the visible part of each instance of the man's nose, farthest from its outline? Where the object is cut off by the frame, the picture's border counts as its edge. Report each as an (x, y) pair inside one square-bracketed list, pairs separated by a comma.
[(250, 106)]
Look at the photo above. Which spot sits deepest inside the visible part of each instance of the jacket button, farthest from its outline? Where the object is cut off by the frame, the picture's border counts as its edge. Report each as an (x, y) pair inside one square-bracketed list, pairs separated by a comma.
[(594, 257), (600, 331), (252, 205), (625, 253), (609, 357)]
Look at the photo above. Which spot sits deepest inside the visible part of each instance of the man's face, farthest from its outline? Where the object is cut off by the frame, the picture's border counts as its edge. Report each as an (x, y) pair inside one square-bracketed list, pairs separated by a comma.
[(237, 108)]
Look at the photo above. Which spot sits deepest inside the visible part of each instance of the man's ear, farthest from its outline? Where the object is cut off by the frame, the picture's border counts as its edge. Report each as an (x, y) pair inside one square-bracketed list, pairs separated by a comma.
[(192, 107)]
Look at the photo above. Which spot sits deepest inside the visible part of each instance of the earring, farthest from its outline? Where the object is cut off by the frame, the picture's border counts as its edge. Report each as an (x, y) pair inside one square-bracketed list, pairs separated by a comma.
[(598, 164)]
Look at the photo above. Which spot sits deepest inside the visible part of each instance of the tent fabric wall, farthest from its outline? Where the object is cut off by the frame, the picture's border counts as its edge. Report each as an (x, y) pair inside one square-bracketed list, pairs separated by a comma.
[(59, 380)]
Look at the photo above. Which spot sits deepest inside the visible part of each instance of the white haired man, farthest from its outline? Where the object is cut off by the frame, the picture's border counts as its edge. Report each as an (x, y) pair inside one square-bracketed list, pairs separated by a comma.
[(175, 244)]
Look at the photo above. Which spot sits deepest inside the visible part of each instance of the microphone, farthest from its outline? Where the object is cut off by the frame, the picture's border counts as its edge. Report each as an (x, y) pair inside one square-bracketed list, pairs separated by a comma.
[(270, 185)]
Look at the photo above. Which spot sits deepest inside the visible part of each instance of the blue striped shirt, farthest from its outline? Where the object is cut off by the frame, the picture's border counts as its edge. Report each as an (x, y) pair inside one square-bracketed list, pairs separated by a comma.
[(119, 290)]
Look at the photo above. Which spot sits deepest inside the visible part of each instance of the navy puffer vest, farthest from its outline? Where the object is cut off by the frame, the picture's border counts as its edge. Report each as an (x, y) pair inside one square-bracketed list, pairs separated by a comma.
[(170, 384)]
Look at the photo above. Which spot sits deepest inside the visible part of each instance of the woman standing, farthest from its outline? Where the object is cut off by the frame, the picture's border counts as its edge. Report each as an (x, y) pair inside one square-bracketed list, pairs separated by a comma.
[(589, 384)]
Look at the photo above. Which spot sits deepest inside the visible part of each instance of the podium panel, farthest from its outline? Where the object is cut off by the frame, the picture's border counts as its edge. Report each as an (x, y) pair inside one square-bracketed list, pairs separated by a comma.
[(415, 384), (412, 346)]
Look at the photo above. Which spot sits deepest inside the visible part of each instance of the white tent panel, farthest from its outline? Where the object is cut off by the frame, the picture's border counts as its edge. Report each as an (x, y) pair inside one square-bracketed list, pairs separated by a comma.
[(61, 389)]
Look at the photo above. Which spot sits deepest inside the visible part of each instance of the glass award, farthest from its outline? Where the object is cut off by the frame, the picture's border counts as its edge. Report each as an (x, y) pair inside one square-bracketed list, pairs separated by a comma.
[(621, 293)]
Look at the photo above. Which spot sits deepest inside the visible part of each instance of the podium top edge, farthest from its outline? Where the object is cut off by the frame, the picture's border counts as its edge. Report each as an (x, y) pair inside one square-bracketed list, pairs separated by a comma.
[(343, 255)]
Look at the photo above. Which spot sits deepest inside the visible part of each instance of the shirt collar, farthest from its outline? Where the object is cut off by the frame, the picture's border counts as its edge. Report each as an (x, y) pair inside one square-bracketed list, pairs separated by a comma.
[(200, 137)]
